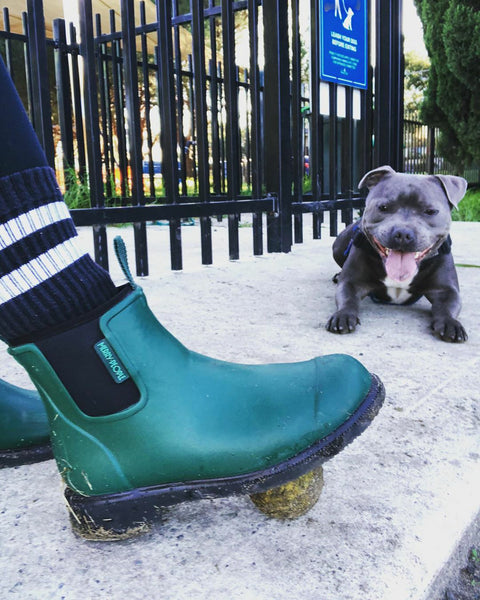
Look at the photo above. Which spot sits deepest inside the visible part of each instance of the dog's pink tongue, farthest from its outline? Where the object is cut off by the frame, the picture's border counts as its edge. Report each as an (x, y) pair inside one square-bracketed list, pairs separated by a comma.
[(400, 265)]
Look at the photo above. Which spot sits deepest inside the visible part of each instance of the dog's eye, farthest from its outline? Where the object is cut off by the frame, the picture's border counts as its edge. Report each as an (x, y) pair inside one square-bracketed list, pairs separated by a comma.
[(383, 208), (430, 212)]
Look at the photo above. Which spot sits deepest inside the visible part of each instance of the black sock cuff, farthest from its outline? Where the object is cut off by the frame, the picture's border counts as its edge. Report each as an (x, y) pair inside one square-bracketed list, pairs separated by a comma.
[(26, 190), (95, 313)]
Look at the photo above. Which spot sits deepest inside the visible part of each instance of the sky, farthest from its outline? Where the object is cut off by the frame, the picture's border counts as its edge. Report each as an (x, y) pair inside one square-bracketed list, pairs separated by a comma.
[(412, 29)]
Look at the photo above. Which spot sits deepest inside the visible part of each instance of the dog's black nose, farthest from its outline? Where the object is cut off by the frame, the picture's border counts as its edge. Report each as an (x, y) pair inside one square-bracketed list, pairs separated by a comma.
[(402, 237)]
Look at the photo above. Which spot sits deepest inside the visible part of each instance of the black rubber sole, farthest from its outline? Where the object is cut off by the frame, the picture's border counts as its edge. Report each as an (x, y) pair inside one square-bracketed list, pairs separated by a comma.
[(25, 456), (126, 514)]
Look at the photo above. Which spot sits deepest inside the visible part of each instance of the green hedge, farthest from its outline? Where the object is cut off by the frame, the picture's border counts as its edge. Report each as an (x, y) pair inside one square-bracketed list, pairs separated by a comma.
[(469, 207)]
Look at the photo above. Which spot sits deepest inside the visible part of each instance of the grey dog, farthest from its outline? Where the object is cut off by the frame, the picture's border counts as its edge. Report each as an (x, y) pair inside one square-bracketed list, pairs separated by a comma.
[(400, 250)]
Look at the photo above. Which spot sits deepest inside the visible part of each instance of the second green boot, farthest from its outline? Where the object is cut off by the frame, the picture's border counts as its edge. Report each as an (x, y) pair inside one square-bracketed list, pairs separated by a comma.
[(24, 427)]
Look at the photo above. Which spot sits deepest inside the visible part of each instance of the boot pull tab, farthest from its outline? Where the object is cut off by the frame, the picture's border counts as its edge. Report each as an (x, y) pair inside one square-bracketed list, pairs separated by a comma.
[(121, 254)]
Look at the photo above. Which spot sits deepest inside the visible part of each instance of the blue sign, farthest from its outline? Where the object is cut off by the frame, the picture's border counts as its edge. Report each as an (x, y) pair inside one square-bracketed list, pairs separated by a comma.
[(343, 42)]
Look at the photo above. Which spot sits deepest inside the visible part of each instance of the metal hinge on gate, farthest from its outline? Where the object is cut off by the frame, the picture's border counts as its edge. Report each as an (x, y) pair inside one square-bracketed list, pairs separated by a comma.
[(275, 206)]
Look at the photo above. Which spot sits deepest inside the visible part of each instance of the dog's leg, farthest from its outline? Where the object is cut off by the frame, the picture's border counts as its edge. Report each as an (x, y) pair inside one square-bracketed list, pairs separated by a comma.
[(444, 294), (345, 319), (445, 308)]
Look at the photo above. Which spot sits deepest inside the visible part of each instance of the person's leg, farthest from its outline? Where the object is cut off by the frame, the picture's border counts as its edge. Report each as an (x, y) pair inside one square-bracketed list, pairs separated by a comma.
[(19, 146), (45, 278)]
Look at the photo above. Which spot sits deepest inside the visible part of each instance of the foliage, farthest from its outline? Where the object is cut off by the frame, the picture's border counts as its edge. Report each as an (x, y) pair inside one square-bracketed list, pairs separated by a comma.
[(417, 70), (469, 207), (452, 98), (77, 192)]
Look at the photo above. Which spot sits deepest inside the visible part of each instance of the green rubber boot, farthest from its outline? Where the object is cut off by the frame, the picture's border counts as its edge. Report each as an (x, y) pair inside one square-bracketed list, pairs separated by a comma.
[(198, 428), (24, 428)]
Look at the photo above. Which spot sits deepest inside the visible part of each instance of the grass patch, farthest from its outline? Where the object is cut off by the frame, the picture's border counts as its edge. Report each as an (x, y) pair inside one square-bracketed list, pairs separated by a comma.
[(469, 207), (77, 192)]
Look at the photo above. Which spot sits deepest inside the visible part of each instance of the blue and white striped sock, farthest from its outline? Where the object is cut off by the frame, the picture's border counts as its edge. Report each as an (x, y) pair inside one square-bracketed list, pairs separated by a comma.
[(45, 279)]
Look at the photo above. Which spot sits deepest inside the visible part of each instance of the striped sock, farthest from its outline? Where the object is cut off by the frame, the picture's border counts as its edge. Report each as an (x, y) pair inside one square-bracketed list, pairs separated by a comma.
[(45, 279)]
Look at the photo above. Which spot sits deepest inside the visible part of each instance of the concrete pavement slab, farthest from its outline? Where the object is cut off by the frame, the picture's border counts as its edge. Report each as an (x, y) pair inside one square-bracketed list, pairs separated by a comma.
[(395, 503)]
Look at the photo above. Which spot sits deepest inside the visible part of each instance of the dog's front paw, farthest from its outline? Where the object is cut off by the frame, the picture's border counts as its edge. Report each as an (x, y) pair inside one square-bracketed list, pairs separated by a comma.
[(343, 322), (449, 330)]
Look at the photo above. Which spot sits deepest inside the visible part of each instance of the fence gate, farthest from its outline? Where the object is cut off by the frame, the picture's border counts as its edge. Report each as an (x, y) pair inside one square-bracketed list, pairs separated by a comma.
[(214, 108)]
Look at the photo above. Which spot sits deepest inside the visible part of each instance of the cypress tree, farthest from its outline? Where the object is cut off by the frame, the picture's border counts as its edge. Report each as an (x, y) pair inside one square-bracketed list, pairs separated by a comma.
[(452, 99)]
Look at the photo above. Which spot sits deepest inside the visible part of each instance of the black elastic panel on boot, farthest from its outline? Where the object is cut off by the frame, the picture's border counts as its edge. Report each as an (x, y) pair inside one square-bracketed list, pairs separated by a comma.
[(73, 357)]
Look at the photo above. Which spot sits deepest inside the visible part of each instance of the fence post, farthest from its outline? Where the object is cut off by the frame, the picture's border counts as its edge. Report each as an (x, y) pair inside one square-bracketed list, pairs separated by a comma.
[(169, 135), (8, 43), (64, 93), (431, 150), (200, 103), (277, 144), (255, 99), (134, 129), (232, 137), (37, 47), (90, 95), (389, 85), (316, 165)]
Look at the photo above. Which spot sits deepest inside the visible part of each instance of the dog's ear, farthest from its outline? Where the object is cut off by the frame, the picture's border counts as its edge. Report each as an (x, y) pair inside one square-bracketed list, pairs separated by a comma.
[(371, 179), (454, 187)]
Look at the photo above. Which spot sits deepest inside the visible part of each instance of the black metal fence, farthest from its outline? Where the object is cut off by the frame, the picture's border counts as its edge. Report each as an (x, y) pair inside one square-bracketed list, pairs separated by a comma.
[(208, 109), (421, 151)]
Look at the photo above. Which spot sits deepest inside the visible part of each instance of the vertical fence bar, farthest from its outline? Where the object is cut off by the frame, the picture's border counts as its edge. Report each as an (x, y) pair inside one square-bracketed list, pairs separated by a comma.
[(316, 125), (77, 107), (132, 104), (169, 135), (28, 66), (431, 150), (191, 100), (232, 138), (8, 44), (388, 84), (106, 129), (179, 101), (90, 96), (297, 141), (147, 103), (214, 104), (277, 148), (107, 66), (247, 176), (255, 101), (221, 129), (366, 156), (119, 110), (64, 96), (332, 152), (398, 73), (200, 104), (347, 147), (37, 45)]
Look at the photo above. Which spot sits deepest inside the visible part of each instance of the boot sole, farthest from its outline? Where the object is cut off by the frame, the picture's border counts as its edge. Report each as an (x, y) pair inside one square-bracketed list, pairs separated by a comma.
[(122, 515), (25, 456)]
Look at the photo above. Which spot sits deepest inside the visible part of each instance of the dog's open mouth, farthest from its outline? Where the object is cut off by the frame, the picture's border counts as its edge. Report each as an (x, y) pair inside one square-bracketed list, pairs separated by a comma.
[(400, 266)]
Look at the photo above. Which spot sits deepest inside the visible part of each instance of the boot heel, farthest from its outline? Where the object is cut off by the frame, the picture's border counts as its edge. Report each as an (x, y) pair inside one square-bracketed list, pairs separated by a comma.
[(25, 456), (110, 519)]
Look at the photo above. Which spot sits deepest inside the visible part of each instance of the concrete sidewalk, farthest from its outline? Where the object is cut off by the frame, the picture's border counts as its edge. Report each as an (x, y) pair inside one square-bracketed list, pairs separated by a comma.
[(395, 504)]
